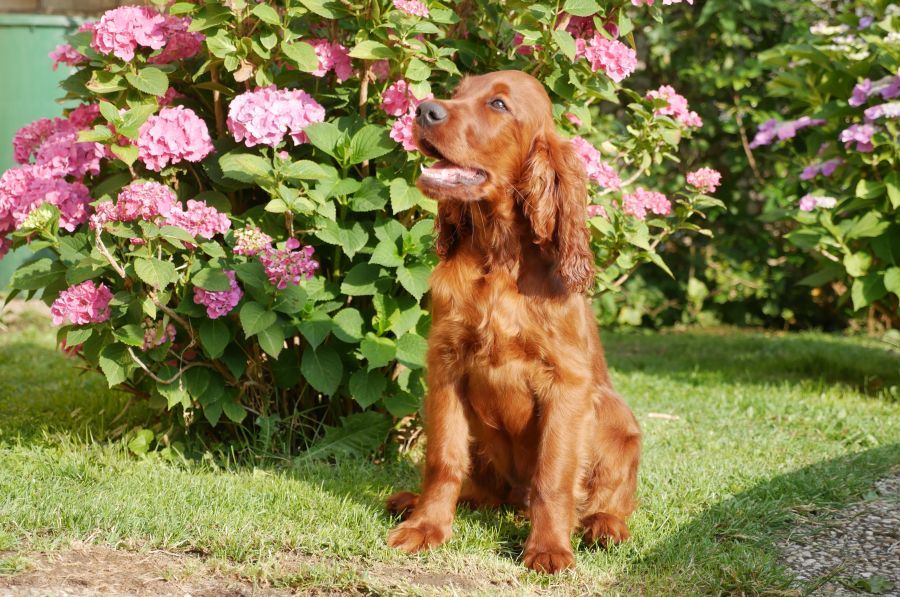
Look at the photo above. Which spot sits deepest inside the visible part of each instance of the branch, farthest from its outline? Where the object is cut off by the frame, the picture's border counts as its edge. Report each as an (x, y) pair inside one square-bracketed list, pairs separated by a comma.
[(217, 102), (107, 255), (747, 151), (153, 376)]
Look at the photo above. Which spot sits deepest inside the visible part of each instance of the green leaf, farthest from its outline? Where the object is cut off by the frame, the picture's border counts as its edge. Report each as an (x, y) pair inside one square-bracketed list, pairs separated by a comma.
[(112, 361), (214, 336), (371, 50), (303, 170), (367, 387), (38, 274), (386, 254), (246, 167), (234, 411), (857, 264), (892, 184), (155, 272), (581, 8), (325, 136), (371, 196), (378, 351), (411, 350), (271, 339), (255, 318), (77, 337), (212, 279), (869, 225), (867, 290), (322, 368), (130, 334), (369, 143), (149, 80), (351, 237), (418, 70), (316, 328), (401, 404), (348, 325), (361, 280), (290, 300), (867, 189), (302, 55), (414, 279), (140, 443), (566, 42), (404, 195), (126, 153), (266, 14), (358, 436), (891, 281)]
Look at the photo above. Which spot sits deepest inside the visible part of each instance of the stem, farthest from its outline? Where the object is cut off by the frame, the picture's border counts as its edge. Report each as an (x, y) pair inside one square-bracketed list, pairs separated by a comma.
[(217, 102), (747, 151), (364, 73), (101, 248), (153, 376)]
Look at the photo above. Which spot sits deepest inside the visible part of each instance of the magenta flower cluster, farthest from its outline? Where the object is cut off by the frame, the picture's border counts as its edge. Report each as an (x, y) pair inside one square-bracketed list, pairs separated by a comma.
[(288, 265), (123, 30), (155, 334), (222, 302), (137, 201), (705, 180), (198, 219), (171, 136), (398, 100), (609, 55), (596, 168), (677, 106), (640, 202), (264, 116), (82, 304)]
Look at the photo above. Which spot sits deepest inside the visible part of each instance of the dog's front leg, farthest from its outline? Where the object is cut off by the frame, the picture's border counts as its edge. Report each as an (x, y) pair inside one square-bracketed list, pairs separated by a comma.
[(564, 417), (446, 465)]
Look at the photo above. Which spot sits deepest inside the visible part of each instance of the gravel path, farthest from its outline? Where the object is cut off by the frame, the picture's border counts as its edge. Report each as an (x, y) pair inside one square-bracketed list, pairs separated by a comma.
[(855, 551)]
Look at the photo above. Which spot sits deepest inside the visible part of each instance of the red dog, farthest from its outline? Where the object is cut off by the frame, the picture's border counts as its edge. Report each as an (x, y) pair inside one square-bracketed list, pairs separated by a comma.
[(520, 408)]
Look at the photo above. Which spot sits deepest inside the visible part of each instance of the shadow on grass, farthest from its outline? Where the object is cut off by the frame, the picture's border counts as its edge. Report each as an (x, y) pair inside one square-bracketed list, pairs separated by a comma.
[(756, 357), (731, 547)]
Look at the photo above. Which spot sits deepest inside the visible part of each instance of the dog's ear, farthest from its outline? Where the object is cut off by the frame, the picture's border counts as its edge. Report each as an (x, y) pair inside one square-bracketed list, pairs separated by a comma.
[(449, 225), (554, 199)]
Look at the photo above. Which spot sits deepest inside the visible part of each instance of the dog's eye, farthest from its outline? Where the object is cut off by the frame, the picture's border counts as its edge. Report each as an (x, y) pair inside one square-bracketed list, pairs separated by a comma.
[(499, 104)]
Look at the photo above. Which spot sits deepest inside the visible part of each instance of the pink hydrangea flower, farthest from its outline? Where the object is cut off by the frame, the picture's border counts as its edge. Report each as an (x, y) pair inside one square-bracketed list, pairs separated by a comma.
[(84, 116), (264, 116), (250, 241), (640, 202), (137, 201), (181, 44), (811, 202), (771, 130), (65, 155), (173, 135), (169, 98), (288, 265), (71, 198), (522, 49), (396, 99), (199, 219), (219, 303), (861, 135), (705, 180), (402, 131), (122, 30), (412, 7), (609, 55), (677, 106), (381, 69), (5, 246), (25, 188), (156, 335), (82, 304), (595, 167), (332, 56), (28, 138), (573, 119), (597, 210), (66, 54)]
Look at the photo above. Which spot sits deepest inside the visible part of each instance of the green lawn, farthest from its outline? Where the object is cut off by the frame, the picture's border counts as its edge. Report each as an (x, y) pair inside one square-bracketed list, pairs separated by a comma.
[(769, 428)]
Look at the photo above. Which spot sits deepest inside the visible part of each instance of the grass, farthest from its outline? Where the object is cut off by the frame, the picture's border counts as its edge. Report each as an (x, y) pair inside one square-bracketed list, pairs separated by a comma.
[(769, 428)]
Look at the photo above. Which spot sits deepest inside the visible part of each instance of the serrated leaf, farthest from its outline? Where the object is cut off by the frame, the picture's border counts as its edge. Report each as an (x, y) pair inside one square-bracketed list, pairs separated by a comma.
[(271, 339), (38, 274), (214, 336), (417, 70), (867, 290), (358, 436), (212, 279), (302, 55), (371, 50), (255, 318), (149, 80), (361, 280), (322, 368), (411, 350), (348, 325), (891, 280), (368, 143), (112, 361), (130, 334), (155, 272), (403, 195), (325, 136), (378, 351), (386, 254), (234, 411), (581, 8), (266, 14), (367, 387), (246, 167), (414, 279), (316, 328), (566, 42)]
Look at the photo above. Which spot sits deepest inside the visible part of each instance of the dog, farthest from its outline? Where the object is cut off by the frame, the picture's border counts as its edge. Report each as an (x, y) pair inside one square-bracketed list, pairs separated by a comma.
[(520, 408)]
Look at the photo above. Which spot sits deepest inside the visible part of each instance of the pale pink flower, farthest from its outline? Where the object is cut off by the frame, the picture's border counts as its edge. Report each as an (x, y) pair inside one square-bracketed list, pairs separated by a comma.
[(66, 54), (826, 168), (180, 43), (288, 265), (811, 202), (122, 30), (266, 115), (609, 55), (705, 180), (381, 69), (173, 135), (640, 202), (66, 156), (402, 131), (156, 335), (199, 219), (412, 7), (574, 119), (222, 302), (250, 241), (771, 130), (595, 167), (396, 99), (137, 201), (861, 135), (888, 110), (24, 188), (169, 98), (677, 106), (332, 56), (29, 138), (597, 210), (82, 304)]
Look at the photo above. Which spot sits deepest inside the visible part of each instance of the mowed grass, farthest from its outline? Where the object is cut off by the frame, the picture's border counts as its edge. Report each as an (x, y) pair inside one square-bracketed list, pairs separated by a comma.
[(744, 432)]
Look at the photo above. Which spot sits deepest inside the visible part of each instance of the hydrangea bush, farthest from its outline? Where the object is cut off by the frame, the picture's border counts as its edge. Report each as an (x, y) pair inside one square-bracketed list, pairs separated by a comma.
[(834, 147), (228, 218)]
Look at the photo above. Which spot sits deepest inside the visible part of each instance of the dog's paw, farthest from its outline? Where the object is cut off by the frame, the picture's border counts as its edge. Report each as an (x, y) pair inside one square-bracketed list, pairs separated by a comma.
[(413, 536), (549, 560), (402, 503), (605, 529)]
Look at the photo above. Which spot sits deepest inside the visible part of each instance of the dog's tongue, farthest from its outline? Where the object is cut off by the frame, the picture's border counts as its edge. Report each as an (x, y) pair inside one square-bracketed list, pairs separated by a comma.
[(447, 172)]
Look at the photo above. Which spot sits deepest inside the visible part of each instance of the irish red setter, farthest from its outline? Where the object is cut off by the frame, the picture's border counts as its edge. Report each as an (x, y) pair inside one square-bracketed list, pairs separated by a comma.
[(520, 408)]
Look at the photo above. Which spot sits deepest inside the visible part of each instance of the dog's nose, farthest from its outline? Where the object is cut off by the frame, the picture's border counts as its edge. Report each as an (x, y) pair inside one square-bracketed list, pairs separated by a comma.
[(430, 114)]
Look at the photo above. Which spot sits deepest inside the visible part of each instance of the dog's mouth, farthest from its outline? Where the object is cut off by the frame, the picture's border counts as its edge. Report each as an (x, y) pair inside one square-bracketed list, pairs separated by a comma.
[(447, 173)]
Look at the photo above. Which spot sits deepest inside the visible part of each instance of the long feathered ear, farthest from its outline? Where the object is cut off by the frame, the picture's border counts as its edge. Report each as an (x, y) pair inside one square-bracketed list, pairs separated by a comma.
[(554, 190), (448, 226)]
